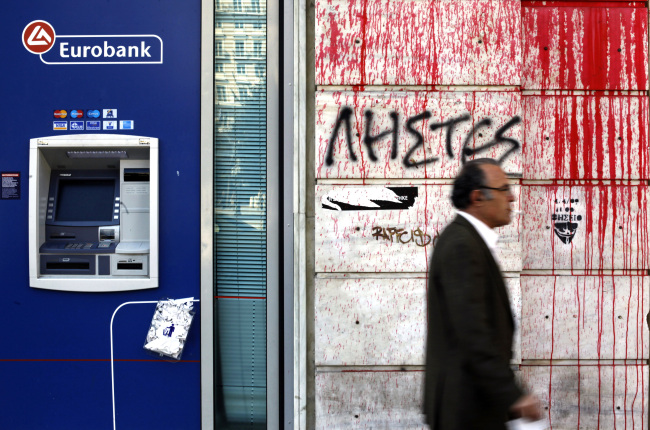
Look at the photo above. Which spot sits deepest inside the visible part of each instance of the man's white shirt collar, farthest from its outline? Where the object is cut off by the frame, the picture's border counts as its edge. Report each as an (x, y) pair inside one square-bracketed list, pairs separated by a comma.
[(489, 236)]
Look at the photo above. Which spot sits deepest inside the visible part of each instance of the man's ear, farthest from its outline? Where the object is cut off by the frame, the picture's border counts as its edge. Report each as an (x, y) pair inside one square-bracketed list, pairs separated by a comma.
[(476, 196)]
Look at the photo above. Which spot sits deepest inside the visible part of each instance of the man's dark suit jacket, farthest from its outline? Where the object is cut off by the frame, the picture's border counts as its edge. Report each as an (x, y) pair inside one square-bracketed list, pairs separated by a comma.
[(468, 381)]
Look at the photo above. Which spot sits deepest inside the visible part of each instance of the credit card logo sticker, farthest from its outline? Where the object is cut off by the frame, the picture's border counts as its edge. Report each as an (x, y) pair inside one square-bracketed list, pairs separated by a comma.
[(126, 125), (60, 113), (110, 113), (76, 125), (39, 37), (77, 113), (110, 125), (93, 113), (93, 125), (60, 125)]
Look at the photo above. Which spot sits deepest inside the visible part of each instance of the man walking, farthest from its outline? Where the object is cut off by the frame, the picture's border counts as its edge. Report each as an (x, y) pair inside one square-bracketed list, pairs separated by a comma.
[(468, 382)]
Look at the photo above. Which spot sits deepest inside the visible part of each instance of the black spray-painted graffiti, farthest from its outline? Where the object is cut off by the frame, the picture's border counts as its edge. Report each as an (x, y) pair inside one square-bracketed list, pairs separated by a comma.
[(400, 235), (565, 221), (369, 140)]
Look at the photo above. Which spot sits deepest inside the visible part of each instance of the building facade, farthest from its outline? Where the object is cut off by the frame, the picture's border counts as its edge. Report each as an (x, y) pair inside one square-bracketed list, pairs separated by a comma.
[(305, 156)]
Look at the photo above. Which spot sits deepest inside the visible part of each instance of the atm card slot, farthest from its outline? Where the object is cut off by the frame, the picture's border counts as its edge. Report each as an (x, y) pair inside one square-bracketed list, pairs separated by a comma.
[(129, 266)]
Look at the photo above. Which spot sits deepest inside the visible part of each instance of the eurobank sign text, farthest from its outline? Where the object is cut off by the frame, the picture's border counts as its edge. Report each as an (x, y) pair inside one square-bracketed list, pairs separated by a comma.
[(40, 38), (136, 49)]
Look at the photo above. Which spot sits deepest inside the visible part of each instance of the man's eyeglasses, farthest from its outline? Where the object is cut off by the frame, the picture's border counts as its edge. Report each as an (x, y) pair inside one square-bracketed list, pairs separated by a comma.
[(504, 189)]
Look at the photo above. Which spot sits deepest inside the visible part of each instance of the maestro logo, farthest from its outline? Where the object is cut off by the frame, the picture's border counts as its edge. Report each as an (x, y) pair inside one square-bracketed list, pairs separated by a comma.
[(39, 37)]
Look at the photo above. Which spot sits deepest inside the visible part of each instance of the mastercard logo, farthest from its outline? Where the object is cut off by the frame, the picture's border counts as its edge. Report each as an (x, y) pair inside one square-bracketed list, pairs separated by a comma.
[(60, 113)]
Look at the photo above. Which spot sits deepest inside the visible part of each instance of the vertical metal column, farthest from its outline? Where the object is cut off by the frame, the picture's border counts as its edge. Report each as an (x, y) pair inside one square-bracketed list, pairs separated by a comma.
[(207, 214)]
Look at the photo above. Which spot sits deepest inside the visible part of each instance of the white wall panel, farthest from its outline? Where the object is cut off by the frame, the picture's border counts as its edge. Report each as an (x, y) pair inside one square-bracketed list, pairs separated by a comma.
[(370, 321), (584, 317), (380, 321), (418, 42), (433, 130), (369, 400), (585, 45), (585, 227), (353, 236), (594, 136), (591, 396)]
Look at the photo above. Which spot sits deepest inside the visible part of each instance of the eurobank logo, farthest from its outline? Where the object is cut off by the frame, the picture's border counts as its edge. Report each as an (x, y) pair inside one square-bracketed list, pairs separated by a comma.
[(40, 38)]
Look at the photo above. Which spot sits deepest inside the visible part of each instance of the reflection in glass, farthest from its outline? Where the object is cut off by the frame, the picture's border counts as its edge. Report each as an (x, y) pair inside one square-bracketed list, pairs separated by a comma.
[(240, 214)]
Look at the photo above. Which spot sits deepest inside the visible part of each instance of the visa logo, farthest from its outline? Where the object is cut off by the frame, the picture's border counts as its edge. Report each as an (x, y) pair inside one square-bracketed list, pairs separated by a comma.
[(76, 125), (93, 113), (60, 125)]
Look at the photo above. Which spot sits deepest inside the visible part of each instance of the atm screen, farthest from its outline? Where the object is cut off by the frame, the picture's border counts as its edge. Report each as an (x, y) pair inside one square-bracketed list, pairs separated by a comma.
[(85, 200)]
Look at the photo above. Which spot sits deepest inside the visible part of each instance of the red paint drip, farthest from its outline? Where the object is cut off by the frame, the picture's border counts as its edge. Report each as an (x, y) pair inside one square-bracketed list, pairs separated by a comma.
[(550, 378), (364, 43), (572, 145), (432, 73), (640, 28), (579, 313)]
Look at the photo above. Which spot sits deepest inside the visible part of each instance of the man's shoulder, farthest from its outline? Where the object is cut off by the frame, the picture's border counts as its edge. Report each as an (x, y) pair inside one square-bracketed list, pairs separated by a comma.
[(456, 236), (458, 229)]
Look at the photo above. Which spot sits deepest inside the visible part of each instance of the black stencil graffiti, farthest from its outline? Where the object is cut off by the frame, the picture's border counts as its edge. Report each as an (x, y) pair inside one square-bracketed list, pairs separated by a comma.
[(343, 120), (565, 221)]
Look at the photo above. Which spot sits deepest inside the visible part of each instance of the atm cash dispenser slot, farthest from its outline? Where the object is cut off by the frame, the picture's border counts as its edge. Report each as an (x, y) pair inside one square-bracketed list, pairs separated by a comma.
[(94, 213)]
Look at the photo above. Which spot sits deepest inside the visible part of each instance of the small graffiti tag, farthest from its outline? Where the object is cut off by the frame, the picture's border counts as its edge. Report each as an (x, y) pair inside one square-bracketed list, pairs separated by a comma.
[(565, 221), (400, 235)]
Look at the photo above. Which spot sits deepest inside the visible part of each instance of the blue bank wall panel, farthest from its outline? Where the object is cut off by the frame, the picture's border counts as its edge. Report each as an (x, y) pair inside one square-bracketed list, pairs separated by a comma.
[(55, 363)]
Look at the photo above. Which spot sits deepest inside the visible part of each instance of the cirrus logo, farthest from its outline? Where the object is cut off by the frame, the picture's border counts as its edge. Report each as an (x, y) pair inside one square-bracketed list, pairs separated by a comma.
[(93, 113)]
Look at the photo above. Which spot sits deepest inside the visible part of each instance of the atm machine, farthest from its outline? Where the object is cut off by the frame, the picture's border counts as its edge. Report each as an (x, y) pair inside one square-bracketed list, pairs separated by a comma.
[(93, 213)]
